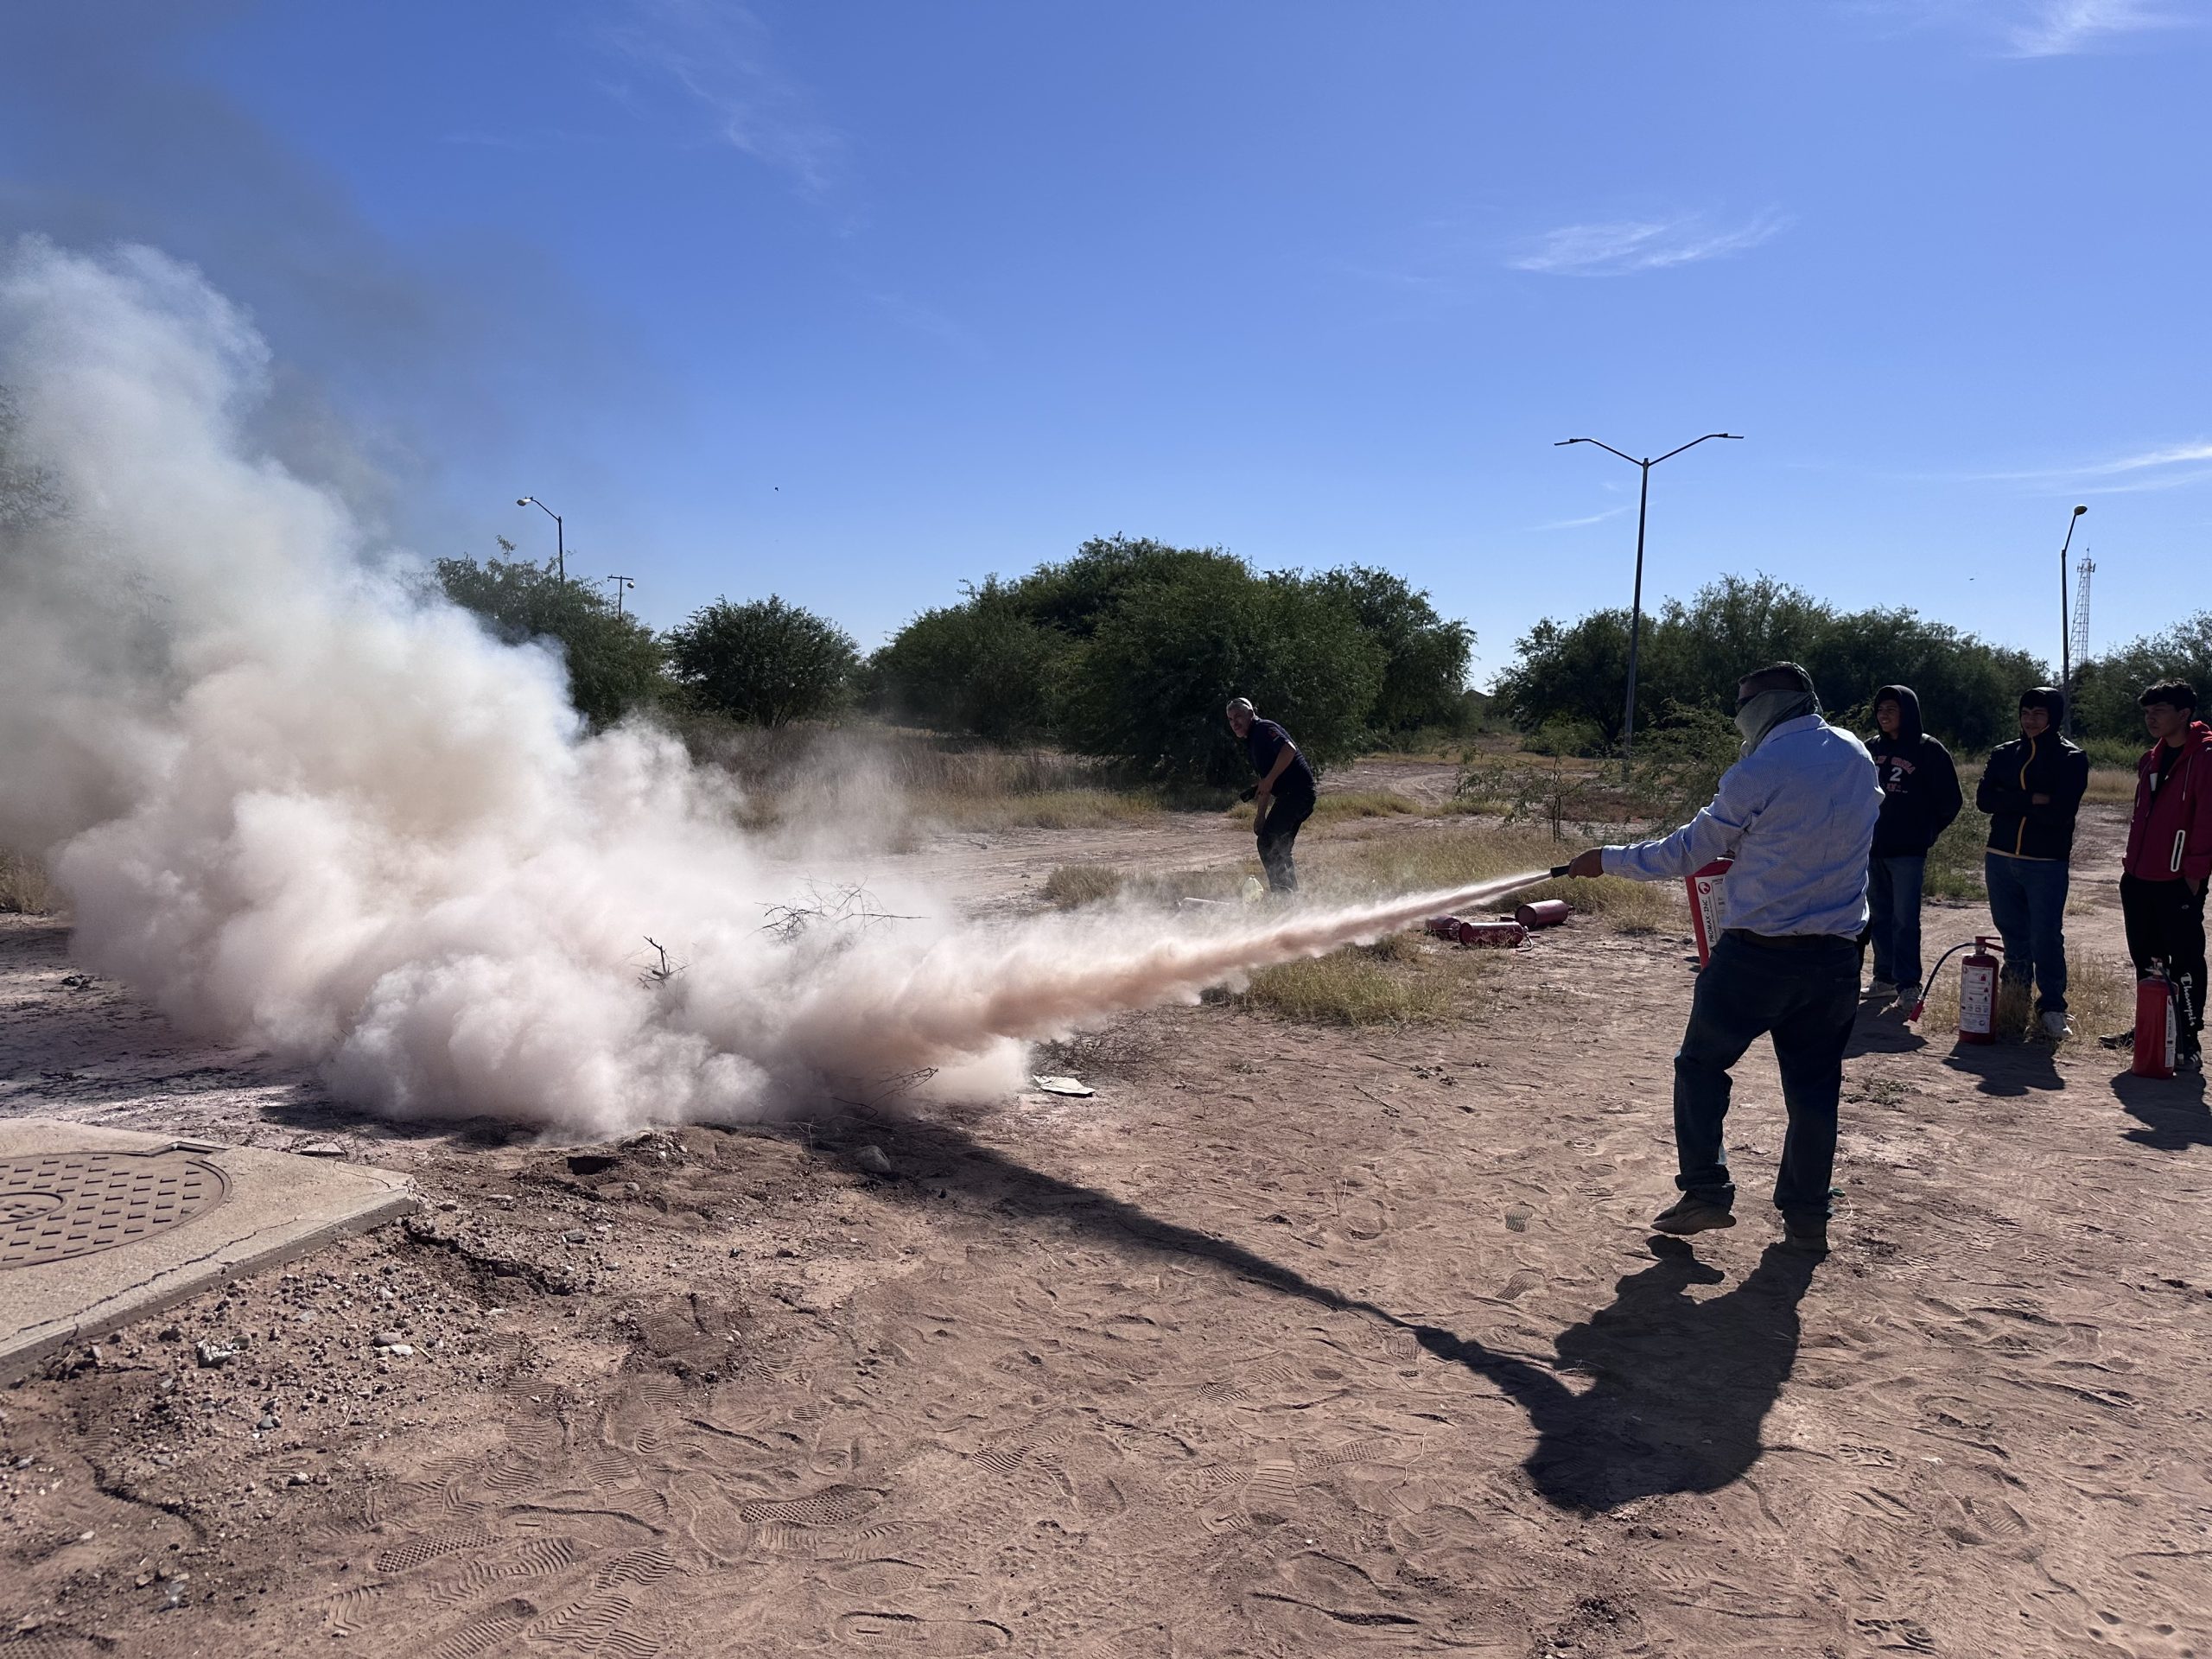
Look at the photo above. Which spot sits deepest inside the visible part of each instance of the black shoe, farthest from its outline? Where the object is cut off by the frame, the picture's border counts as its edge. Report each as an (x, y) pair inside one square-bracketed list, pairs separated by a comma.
[(2118, 1040), (1692, 1215), (1805, 1238)]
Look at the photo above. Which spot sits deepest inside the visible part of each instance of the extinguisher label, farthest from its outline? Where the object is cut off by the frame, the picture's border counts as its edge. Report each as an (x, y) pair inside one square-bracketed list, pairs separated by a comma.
[(1977, 1001)]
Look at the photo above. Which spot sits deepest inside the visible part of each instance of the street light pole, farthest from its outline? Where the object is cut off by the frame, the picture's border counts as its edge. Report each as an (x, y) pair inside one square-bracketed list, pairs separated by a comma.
[(560, 542), (622, 585), (2065, 636), (1636, 607)]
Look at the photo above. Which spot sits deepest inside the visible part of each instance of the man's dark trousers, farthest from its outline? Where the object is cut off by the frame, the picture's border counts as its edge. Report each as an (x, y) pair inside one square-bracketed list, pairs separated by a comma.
[(2166, 928), (1804, 991), (1285, 818)]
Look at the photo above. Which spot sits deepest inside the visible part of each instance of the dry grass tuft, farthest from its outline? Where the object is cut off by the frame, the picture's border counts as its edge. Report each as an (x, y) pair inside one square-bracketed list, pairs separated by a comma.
[(1072, 885), (1396, 947), (24, 889), (1458, 857), (1058, 809), (2099, 999), (1349, 987), (1623, 906), (2110, 786)]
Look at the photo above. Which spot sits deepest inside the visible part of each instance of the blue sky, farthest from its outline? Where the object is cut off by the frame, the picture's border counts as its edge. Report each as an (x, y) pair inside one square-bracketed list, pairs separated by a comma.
[(851, 302)]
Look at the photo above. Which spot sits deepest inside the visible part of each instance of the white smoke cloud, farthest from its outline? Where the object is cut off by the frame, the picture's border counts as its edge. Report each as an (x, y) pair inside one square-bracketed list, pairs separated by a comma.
[(299, 805)]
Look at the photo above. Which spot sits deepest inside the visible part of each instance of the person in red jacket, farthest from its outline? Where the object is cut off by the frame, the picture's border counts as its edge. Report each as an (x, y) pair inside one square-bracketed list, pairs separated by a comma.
[(2169, 852)]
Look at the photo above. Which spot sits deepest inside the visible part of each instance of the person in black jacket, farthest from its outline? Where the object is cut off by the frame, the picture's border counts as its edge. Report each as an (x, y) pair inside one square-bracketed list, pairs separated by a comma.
[(2031, 790), (1920, 797)]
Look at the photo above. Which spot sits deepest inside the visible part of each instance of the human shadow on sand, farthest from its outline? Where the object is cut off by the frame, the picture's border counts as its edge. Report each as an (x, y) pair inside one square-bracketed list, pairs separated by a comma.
[(1881, 1029), (1679, 1386), (2008, 1068), (2171, 1110)]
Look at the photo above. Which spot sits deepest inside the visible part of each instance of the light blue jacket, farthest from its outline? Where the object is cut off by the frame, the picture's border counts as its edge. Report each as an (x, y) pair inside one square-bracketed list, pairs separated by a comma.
[(1797, 814)]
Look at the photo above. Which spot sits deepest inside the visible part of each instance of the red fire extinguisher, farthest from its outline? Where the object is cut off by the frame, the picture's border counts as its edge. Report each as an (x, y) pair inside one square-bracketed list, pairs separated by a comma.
[(1977, 990), (1706, 911), (2155, 1026)]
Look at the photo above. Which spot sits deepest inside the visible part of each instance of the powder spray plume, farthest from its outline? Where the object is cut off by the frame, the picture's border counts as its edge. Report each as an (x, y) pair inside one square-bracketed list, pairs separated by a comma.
[(301, 805)]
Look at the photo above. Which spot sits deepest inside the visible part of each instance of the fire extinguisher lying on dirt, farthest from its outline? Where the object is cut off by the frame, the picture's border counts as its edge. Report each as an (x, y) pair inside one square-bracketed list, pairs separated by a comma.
[(2162, 1015), (1977, 991)]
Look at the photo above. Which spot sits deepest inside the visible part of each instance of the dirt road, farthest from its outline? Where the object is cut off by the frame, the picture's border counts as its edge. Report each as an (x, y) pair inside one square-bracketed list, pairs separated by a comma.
[(1290, 1342)]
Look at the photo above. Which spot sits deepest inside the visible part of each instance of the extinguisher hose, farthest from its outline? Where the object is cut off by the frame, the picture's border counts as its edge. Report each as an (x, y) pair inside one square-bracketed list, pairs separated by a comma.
[(1920, 1006)]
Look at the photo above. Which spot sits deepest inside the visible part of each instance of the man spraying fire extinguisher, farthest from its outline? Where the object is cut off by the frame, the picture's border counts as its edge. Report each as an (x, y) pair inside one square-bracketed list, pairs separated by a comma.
[(1797, 814)]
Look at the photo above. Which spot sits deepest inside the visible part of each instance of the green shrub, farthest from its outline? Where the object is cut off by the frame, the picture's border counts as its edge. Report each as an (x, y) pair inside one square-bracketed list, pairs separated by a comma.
[(615, 662), (764, 662), (1692, 654), (1129, 651), (980, 666)]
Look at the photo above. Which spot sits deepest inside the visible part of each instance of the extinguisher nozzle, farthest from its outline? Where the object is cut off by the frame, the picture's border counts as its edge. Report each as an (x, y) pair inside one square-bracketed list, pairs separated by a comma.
[(1558, 870)]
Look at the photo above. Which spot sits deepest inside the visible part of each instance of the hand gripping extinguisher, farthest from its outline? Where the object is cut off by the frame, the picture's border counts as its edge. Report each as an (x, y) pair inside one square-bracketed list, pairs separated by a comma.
[(1977, 990)]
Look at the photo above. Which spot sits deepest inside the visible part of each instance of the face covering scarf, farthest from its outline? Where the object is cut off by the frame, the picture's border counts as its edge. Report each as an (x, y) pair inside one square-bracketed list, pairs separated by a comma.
[(1762, 713)]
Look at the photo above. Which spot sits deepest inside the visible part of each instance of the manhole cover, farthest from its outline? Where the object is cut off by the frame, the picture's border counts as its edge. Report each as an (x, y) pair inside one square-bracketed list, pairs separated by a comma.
[(61, 1205)]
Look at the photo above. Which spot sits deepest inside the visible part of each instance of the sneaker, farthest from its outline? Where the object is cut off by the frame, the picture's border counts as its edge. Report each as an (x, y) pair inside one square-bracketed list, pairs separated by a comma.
[(1907, 991), (2118, 1040), (1805, 1238), (1692, 1215), (2056, 1028), (1883, 987)]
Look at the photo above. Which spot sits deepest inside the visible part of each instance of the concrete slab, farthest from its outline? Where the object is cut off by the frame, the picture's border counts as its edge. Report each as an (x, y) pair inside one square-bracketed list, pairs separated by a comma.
[(101, 1227)]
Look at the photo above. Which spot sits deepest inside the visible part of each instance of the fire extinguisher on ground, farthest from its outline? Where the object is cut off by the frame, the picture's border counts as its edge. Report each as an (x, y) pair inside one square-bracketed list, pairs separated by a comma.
[(1977, 990), (2162, 1015)]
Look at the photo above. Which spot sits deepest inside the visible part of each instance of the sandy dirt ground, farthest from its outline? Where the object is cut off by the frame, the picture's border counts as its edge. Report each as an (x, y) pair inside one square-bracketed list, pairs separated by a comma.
[(1290, 1342)]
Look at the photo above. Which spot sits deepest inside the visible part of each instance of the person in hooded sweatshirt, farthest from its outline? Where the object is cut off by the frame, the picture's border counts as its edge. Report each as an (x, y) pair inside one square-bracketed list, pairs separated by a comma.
[(1797, 814), (2031, 790), (1920, 797), (2169, 854)]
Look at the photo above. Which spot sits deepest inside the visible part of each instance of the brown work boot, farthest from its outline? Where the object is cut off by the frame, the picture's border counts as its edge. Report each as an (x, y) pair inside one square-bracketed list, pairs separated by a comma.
[(1692, 1215)]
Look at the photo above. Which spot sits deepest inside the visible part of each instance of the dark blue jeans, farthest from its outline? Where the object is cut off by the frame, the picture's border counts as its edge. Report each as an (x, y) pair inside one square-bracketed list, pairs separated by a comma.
[(1806, 994), (1278, 835), (1893, 895), (2027, 900)]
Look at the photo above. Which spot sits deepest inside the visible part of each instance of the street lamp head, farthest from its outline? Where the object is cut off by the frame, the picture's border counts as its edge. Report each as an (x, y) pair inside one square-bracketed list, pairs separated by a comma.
[(524, 500), (2078, 512)]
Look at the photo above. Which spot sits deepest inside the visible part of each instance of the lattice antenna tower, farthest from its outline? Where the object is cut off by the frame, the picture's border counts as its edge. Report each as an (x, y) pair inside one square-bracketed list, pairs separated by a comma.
[(2081, 643)]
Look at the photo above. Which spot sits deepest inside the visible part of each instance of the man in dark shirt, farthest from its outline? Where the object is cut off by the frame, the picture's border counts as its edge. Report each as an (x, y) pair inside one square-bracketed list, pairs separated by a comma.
[(1283, 800)]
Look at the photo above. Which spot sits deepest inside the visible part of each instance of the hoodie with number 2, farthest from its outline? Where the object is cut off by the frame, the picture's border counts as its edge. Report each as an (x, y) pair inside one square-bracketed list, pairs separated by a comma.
[(1920, 786)]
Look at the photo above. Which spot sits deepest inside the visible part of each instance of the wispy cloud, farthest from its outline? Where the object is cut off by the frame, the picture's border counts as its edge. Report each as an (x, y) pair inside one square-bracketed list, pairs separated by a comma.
[(2034, 29), (2173, 467), (717, 51), (2175, 455), (1617, 247), (2058, 29), (1577, 524)]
